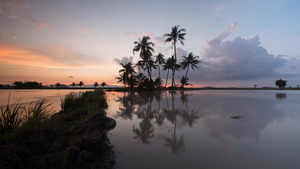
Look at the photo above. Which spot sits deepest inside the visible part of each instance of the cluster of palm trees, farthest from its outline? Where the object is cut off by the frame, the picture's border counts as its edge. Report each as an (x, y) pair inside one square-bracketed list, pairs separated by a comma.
[(148, 62)]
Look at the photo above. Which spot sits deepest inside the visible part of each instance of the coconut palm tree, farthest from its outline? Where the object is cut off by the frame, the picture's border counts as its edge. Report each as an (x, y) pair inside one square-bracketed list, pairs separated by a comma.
[(145, 48), (189, 61), (159, 60), (175, 36), (96, 84), (122, 78), (103, 84), (81, 83), (127, 70), (73, 84)]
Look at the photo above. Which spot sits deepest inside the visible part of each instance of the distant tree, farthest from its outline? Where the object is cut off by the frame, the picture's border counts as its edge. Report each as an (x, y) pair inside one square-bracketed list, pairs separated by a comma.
[(73, 84), (81, 83), (27, 85), (18, 84), (175, 36), (57, 85), (103, 84), (280, 83), (96, 84), (255, 86)]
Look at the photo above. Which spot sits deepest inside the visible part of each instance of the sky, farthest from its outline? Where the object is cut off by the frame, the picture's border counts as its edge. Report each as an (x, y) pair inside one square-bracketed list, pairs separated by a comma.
[(239, 43)]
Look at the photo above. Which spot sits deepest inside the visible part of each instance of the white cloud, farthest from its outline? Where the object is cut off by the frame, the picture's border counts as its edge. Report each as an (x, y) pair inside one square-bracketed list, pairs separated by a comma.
[(123, 60), (237, 59)]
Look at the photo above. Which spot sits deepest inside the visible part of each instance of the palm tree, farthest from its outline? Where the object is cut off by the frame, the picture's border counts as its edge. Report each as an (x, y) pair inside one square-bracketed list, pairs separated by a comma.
[(127, 70), (184, 81), (81, 83), (73, 84), (103, 84), (96, 84), (175, 36), (122, 78), (159, 60), (145, 48), (192, 61)]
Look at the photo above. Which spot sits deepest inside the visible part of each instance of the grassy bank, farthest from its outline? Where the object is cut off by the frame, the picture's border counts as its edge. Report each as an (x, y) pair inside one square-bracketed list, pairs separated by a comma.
[(76, 137)]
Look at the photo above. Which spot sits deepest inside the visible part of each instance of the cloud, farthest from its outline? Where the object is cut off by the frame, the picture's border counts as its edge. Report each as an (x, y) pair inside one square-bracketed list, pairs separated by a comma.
[(85, 29), (123, 60), (39, 24), (70, 77), (220, 7), (50, 56), (237, 59), (13, 8), (2, 32)]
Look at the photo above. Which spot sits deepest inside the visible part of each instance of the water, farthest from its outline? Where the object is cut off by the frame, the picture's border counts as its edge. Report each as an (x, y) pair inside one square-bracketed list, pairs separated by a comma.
[(193, 129), (53, 97)]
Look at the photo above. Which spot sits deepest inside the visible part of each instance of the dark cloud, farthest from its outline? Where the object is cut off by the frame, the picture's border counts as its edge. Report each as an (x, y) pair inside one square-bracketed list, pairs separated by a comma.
[(71, 77)]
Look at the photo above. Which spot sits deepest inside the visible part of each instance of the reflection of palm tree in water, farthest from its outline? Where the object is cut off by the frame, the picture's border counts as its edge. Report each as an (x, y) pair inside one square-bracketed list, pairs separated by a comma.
[(176, 145), (189, 117), (127, 105), (146, 128)]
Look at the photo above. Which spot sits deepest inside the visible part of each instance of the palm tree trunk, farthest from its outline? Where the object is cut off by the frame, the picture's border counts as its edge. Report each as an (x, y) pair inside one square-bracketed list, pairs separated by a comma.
[(187, 71), (159, 75), (167, 78)]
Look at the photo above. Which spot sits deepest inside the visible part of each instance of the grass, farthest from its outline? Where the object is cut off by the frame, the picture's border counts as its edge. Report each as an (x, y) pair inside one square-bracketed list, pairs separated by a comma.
[(89, 103), (16, 120), (30, 137)]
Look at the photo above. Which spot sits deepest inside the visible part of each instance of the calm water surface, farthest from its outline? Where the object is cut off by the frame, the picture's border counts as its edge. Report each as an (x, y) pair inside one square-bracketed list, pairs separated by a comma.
[(193, 129), (26, 96)]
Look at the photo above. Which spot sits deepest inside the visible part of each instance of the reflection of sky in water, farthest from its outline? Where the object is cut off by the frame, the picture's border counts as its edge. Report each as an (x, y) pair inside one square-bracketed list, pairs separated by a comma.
[(193, 129), (52, 96)]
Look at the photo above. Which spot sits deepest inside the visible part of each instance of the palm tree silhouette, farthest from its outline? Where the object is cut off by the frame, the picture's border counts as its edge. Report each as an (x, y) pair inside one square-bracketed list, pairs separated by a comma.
[(127, 70), (145, 48), (81, 83), (159, 60), (103, 84), (96, 84), (122, 78), (175, 36), (73, 84), (189, 61)]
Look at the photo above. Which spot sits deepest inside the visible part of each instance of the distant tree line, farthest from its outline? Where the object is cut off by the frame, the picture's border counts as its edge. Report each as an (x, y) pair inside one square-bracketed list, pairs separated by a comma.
[(27, 85)]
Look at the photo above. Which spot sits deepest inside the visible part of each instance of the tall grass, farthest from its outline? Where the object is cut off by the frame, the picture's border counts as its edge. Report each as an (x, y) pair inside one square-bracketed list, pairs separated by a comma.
[(9, 118), (19, 116)]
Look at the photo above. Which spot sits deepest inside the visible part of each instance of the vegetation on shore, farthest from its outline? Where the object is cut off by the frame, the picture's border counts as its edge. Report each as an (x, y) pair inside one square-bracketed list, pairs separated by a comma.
[(76, 137)]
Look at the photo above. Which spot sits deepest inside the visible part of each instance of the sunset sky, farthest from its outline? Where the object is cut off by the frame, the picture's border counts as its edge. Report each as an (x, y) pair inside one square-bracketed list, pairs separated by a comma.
[(239, 42)]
